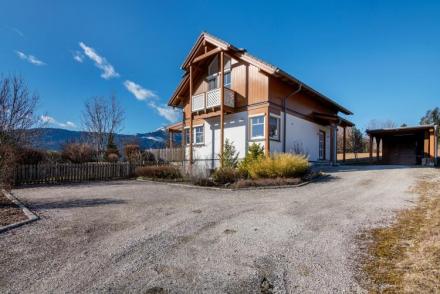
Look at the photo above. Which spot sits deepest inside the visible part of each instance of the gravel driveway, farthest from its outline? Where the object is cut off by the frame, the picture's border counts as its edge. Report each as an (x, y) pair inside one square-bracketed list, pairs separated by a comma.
[(153, 238)]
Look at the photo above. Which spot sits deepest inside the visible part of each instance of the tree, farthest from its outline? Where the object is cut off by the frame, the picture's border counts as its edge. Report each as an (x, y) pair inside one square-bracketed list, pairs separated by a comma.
[(431, 117), (17, 111), (103, 118), (354, 142), (229, 158), (17, 117), (381, 124)]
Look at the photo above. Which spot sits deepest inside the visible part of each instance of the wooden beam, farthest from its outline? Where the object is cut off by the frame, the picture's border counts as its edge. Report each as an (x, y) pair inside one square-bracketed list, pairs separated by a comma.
[(266, 132), (377, 147), (371, 148), (206, 55), (222, 100), (191, 116), (344, 144)]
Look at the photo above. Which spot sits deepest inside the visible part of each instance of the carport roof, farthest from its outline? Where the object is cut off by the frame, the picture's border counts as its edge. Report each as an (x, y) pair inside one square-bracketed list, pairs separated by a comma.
[(400, 131)]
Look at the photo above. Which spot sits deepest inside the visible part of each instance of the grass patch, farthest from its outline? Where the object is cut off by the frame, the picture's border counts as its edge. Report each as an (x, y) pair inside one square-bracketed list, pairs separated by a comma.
[(405, 257)]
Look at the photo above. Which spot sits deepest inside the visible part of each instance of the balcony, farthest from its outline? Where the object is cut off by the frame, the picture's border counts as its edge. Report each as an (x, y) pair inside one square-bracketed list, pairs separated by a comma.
[(207, 101)]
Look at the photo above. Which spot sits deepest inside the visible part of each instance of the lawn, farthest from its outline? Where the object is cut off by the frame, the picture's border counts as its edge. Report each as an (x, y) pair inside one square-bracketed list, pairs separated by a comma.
[(405, 257)]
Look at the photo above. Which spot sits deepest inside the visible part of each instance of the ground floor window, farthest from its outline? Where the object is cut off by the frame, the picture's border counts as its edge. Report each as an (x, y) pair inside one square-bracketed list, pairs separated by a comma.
[(274, 128), (187, 136), (198, 131), (321, 145), (257, 127)]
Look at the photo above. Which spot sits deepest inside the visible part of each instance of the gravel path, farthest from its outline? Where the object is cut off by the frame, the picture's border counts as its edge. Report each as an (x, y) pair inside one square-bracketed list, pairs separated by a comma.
[(145, 237)]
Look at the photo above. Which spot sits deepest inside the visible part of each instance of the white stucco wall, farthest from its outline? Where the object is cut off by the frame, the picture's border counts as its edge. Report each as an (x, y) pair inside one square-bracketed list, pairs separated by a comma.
[(301, 135)]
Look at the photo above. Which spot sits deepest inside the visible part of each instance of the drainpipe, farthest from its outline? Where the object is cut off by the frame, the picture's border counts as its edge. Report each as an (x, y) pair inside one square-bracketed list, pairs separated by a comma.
[(285, 115)]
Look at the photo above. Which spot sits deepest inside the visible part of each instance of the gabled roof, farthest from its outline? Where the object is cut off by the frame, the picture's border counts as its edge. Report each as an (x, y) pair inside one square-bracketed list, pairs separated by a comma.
[(245, 56)]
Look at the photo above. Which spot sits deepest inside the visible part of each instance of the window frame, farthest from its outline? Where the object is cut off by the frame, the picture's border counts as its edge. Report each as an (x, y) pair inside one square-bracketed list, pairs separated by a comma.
[(186, 130), (278, 120), (251, 135), (195, 135)]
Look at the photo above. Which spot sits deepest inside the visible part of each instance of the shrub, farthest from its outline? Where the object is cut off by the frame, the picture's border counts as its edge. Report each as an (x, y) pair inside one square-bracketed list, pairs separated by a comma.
[(229, 156), (30, 156), (281, 165), (225, 175), (159, 172), (78, 153), (132, 153), (147, 156), (112, 157), (255, 152), (7, 165), (53, 157)]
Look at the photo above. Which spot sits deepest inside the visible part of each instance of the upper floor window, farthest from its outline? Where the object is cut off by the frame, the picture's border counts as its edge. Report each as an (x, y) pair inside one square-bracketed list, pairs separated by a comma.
[(257, 127), (213, 73)]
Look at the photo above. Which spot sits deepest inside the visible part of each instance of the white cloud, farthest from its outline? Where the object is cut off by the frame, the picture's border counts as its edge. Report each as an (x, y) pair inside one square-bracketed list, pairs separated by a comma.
[(108, 71), (78, 56), (167, 112), (29, 58), (138, 91), (52, 121)]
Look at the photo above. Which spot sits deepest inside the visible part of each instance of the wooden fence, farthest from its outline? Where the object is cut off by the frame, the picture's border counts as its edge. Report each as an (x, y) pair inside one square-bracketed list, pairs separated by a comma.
[(168, 154), (70, 172)]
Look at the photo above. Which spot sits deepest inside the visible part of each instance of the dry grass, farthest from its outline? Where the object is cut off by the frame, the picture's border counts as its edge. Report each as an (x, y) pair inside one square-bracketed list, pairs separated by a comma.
[(405, 257), (9, 212)]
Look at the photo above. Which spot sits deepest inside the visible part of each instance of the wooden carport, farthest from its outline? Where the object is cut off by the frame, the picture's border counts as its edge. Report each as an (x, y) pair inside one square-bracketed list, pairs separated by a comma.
[(406, 145)]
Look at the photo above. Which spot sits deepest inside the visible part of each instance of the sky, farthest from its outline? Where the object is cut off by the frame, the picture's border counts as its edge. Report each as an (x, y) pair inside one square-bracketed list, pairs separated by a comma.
[(380, 59)]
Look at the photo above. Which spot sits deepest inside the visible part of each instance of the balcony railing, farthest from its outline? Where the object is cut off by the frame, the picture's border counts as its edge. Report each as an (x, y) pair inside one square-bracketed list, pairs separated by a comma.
[(211, 99)]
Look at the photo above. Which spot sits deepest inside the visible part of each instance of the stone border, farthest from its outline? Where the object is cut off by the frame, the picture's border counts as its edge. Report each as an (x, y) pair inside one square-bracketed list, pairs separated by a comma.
[(324, 176), (30, 215)]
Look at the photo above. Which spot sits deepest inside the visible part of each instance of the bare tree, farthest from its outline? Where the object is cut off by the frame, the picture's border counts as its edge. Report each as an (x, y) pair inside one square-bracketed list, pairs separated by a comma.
[(381, 124), (17, 110), (102, 118)]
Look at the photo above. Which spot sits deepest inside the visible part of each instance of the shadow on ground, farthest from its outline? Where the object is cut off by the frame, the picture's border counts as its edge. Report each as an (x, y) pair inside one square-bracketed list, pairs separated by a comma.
[(74, 203)]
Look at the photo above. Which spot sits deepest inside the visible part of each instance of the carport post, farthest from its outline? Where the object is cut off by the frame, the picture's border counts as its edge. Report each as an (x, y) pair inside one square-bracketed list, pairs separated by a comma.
[(377, 147), (371, 148), (344, 144)]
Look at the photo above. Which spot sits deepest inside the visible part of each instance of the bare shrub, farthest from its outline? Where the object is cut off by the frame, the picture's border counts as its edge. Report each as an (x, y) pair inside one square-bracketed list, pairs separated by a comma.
[(225, 175), (7, 166), (159, 172), (30, 156), (78, 153), (133, 153)]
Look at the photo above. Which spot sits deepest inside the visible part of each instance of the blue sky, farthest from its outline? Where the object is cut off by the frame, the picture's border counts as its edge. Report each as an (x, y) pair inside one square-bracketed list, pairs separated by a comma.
[(380, 59)]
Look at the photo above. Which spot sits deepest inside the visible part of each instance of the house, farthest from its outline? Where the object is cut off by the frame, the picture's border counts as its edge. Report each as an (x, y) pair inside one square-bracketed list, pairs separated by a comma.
[(406, 145), (227, 93)]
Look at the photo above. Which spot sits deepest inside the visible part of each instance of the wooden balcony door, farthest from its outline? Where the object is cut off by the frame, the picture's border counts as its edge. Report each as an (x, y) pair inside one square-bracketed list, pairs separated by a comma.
[(321, 145)]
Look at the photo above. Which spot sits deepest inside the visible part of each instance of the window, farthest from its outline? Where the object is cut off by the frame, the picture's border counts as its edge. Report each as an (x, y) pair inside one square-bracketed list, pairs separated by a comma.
[(257, 127), (212, 83), (213, 66), (321, 145), (274, 128), (198, 135), (227, 79)]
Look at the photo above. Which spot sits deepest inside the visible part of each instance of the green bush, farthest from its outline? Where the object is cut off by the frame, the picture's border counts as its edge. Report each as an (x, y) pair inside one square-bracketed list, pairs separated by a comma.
[(255, 152), (281, 165), (225, 175), (159, 172), (229, 156)]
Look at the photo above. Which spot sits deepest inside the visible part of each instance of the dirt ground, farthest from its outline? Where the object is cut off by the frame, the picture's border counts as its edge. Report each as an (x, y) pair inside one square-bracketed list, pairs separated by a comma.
[(140, 237), (9, 212)]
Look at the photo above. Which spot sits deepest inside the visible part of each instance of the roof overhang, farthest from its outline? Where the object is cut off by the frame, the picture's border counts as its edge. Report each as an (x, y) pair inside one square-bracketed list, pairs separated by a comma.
[(243, 55), (333, 119), (401, 131)]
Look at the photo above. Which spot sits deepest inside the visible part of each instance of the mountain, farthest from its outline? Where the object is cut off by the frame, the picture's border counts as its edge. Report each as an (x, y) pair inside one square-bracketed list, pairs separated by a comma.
[(53, 138)]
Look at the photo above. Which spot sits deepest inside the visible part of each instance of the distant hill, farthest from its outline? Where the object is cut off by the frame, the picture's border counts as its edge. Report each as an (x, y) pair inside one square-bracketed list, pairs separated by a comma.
[(53, 138)]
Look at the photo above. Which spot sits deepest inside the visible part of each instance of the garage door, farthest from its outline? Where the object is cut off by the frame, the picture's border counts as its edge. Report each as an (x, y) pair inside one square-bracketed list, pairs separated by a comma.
[(400, 150)]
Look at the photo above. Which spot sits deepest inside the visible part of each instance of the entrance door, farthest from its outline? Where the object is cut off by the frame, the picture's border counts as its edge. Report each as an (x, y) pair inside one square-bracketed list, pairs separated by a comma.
[(321, 145)]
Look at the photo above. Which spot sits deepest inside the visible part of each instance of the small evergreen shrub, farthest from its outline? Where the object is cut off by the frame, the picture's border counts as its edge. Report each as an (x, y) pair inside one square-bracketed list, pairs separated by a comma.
[(159, 172), (147, 156), (255, 152), (230, 155)]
